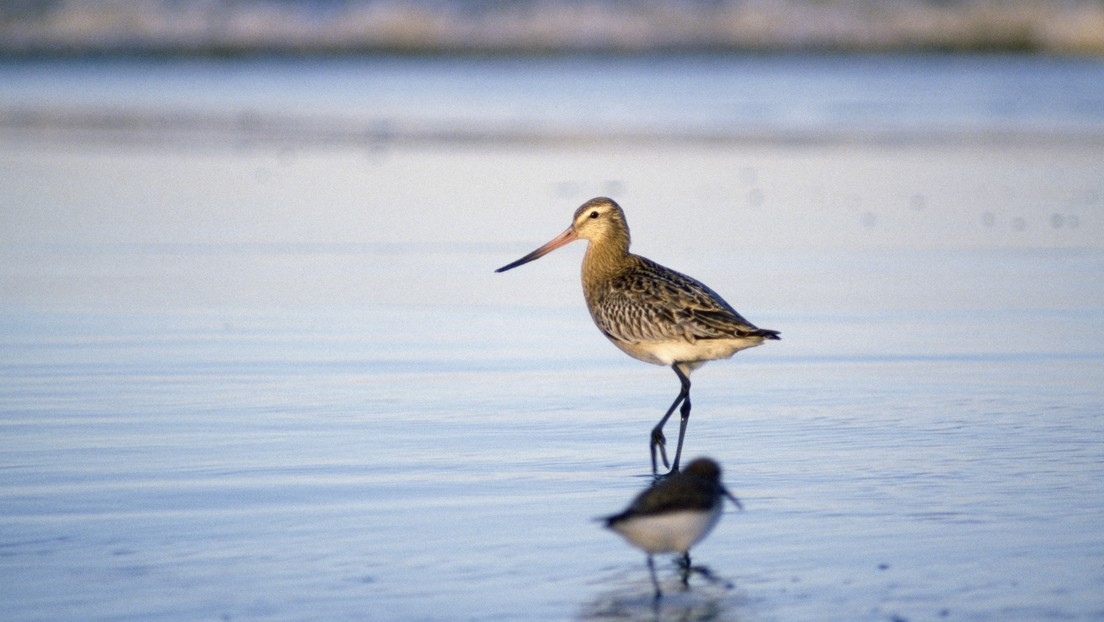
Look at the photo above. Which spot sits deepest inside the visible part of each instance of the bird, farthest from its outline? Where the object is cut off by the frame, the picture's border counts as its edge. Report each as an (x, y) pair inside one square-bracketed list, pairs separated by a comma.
[(674, 514), (652, 313)]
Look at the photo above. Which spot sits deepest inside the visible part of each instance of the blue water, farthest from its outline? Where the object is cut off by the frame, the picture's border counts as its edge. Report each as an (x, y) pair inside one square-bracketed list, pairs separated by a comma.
[(765, 96), (281, 381)]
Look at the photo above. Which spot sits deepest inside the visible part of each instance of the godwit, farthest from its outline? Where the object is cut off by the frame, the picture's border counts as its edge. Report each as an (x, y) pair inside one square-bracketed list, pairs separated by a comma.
[(675, 514), (650, 312)]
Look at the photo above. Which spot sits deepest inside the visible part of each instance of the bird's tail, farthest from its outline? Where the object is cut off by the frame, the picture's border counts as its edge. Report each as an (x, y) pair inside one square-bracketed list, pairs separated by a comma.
[(767, 333)]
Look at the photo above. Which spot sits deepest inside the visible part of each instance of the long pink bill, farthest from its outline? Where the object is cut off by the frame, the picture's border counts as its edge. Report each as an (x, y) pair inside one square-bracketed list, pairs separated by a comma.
[(566, 237)]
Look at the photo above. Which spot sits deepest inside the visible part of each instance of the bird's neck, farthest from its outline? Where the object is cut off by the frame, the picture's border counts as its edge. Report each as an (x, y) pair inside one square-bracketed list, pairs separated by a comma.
[(604, 259)]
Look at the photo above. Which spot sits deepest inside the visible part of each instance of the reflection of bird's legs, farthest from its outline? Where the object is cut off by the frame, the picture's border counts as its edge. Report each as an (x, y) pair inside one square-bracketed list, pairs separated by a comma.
[(655, 582)]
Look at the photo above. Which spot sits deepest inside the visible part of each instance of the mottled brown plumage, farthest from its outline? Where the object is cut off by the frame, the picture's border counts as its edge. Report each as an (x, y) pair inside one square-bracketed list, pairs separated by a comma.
[(651, 312)]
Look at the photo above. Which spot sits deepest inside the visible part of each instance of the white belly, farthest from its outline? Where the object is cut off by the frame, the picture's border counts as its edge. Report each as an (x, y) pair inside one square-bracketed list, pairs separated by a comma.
[(672, 532), (667, 353)]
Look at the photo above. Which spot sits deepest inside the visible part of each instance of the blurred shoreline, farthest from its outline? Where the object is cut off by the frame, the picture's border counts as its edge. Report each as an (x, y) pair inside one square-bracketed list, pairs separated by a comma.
[(182, 129), (323, 27), (379, 102)]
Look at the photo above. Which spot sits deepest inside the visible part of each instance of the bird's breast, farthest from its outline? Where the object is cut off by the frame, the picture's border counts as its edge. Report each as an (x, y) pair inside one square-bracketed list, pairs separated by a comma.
[(670, 532)]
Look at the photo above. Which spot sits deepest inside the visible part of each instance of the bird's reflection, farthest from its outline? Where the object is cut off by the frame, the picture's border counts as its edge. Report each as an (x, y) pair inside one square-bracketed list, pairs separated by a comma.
[(714, 600)]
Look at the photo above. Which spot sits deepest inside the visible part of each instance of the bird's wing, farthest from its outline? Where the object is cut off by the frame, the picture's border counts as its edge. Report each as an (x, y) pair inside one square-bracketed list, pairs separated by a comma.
[(651, 303), (668, 496)]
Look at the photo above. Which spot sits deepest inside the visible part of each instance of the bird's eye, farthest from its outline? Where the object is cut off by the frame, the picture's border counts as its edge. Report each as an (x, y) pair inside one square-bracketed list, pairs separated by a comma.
[(594, 214)]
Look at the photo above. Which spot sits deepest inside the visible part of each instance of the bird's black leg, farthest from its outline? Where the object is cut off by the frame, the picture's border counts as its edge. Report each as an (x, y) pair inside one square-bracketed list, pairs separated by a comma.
[(658, 440), (704, 571), (684, 418), (655, 582)]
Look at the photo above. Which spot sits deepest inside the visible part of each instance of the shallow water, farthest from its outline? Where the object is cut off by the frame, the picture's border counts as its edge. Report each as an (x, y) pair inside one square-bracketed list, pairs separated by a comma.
[(254, 382), (374, 101)]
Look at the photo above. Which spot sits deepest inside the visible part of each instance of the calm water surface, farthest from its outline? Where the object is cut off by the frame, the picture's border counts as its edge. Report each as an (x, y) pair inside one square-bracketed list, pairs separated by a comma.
[(769, 97), (280, 381)]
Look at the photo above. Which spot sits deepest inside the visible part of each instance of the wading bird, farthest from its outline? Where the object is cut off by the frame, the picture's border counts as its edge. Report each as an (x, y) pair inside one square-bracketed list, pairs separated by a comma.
[(674, 514), (650, 312)]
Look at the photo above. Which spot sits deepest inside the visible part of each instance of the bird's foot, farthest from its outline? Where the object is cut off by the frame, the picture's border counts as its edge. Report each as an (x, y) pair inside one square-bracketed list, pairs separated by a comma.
[(660, 441), (659, 477), (687, 569), (708, 575)]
